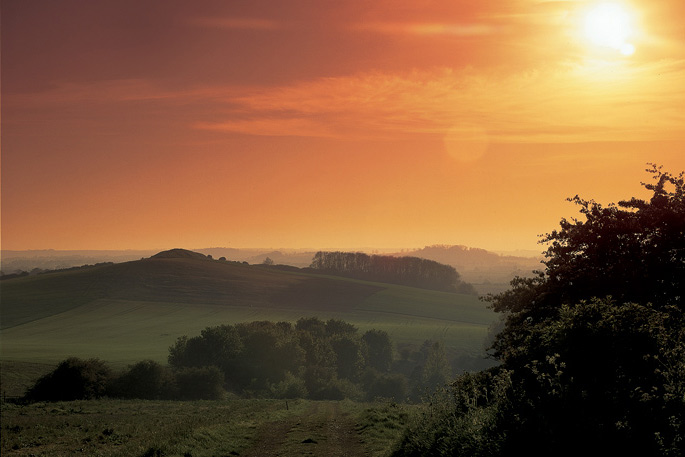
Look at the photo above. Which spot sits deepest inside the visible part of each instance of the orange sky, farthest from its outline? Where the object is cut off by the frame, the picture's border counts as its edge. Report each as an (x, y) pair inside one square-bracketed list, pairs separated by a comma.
[(355, 123)]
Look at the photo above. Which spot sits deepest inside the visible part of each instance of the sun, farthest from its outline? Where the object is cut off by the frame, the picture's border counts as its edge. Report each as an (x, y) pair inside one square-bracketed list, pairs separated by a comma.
[(610, 25)]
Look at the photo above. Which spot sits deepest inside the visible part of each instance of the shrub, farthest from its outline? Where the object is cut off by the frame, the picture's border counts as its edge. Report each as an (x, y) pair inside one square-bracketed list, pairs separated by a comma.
[(73, 379), (146, 380), (290, 387), (200, 383), (390, 387)]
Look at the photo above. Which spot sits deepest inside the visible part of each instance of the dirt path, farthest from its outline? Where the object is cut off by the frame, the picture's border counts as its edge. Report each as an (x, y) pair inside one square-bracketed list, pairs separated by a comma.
[(323, 431)]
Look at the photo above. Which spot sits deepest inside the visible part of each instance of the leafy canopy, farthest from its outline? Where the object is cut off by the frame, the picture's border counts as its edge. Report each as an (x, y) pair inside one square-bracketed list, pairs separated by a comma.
[(633, 251)]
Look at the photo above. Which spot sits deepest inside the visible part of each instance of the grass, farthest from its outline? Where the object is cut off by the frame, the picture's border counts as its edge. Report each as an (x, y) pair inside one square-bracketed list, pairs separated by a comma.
[(112, 428), (16, 377), (128, 312), (382, 425), (137, 428), (122, 332)]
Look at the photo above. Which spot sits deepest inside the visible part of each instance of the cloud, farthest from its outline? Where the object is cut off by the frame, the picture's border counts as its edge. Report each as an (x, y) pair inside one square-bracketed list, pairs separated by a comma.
[(236, 23), (623, 100), (428, 28), (269, 127), (593, 101)]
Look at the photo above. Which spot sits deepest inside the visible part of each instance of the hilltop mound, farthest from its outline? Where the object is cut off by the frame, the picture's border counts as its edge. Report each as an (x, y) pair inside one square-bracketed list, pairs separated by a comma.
[(178, 253), (177, 276)]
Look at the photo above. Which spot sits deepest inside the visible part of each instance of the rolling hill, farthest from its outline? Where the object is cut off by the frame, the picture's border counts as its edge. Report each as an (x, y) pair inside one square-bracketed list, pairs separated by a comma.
[(133, 310)]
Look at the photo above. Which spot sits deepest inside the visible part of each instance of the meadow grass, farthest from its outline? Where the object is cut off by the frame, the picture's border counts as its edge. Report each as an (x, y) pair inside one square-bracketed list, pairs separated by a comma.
[(113, 428), (123, 332), (136, 428)]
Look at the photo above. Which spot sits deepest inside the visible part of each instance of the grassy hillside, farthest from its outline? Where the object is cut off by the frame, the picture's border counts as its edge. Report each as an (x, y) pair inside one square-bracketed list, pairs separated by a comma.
[(180, 279), (135, 310)]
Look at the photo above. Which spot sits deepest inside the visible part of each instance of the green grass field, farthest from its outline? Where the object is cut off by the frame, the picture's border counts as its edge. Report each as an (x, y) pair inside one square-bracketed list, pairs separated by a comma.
[(123, 332), (248, 427), (129, 312)]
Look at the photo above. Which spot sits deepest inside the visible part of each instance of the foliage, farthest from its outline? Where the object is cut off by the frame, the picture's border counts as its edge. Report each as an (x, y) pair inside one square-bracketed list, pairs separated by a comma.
[(461, 419), (200, 383), (592, 349), (388, 386), (611, 373), (145, 380), (410, 271), (379, 349), (77, 379), (73, 379), (325, 360), (290, 387), (436, 370), (633, 251)]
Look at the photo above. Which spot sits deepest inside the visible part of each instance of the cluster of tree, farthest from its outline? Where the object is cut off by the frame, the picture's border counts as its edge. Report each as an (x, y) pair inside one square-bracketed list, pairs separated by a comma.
[(408, 271), (313, 358), (592, 350), (40, 271), (16, 274), (78, 379)]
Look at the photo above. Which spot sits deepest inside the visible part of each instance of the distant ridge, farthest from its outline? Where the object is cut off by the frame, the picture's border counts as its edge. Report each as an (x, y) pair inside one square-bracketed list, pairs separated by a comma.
[(178, 253)]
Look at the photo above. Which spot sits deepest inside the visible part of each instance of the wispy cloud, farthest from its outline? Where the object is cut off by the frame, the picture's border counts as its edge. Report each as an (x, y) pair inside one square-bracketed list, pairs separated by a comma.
[(237, 23), (428, 28), (292, 126), (592, 101), (588, 102)]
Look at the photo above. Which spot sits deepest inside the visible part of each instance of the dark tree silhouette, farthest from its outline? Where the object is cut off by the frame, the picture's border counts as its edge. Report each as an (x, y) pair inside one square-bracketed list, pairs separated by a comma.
[(633, 251), (379, 349), (592, 348), (73, 379), (410, 271)]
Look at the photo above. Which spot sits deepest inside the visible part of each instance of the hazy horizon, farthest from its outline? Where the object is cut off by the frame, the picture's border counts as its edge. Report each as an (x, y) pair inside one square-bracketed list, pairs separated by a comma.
[(128, 124), (285, 249)]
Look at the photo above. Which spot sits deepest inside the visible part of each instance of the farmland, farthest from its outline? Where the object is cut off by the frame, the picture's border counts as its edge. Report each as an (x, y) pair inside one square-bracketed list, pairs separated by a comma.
[(251, 427), (123, 332), (127, 312)]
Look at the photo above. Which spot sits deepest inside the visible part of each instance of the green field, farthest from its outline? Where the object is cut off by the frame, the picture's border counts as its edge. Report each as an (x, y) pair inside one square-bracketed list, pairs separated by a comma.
[(123, 332), (128, 312), (247, 427)]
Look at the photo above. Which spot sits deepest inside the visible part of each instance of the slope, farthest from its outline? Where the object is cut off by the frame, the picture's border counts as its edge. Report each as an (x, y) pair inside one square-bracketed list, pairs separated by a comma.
[(135, 310), (175, 276)]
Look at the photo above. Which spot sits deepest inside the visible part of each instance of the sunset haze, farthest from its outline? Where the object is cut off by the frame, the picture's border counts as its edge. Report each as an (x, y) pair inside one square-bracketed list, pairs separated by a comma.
[(349, 124)]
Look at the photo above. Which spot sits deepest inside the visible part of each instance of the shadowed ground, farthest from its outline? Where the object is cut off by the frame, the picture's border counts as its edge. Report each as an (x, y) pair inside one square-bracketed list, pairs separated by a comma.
[(324, 430)]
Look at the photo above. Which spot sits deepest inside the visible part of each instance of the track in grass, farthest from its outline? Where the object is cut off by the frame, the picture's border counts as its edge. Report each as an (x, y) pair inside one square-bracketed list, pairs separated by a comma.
[(252, 427)]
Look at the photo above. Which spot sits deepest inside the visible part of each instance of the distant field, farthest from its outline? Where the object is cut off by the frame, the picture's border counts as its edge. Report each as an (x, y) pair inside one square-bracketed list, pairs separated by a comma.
[(122, 332), (128, 312)]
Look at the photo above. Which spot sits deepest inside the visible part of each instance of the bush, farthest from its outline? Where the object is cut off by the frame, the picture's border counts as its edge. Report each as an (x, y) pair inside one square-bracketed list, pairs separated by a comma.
[(336, 389), (389, 387), (290, 387), (200, 383), (461, 419), (145, 380), (73, 379)]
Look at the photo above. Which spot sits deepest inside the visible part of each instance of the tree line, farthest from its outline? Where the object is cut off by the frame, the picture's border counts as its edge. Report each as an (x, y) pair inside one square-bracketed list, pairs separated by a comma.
[(408, 271), (312, 358), (591, 351)]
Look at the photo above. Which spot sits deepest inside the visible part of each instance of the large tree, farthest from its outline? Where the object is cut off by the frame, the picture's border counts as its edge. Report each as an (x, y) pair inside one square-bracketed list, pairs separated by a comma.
[(633, 251), (592, 349)]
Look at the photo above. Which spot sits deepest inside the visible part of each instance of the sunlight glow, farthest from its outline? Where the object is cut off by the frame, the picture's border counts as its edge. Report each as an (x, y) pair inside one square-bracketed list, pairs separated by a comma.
[(610, 25)]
